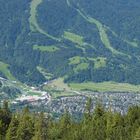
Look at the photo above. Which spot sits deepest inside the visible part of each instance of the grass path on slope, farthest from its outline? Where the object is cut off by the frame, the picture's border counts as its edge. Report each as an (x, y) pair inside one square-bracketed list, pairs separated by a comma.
[(46, 48), (74, 38), (133, 43), (103, 35), (33, 21), (102, 30), (78, 40), (68, 3), (4, 69)]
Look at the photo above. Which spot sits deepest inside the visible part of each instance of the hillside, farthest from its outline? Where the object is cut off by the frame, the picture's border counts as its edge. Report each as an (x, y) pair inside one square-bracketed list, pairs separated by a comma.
[(81, 41), (8, 90)]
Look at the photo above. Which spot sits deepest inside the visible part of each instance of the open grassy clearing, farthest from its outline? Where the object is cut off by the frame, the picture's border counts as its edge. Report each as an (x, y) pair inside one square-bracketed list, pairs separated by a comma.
[(80, 67), (57, 84), (80, 63), (33, 20), (33, 93), (44, 72), (4, 69), (56, 94), (99, 62), (46, 48), (74, 38), (57, 88), (33, 6), (106, 87), (76, 60), (131, 43)]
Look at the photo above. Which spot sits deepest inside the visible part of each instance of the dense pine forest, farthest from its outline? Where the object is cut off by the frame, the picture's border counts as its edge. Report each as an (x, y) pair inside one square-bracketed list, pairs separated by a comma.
[(83, 40), (95, 125)]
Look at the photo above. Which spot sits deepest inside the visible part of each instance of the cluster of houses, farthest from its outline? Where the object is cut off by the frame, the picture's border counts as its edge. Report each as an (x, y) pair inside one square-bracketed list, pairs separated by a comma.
[(117, 102)]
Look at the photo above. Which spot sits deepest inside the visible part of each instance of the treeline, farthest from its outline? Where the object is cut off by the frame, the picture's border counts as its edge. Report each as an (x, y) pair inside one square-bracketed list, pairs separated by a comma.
[(97, 125)]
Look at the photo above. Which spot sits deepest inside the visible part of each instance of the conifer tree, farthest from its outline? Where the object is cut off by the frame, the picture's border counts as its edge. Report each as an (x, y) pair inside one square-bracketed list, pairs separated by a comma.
[(5, 117), (62, 127), (40, 128), (109, 125), (99, 111), (26, 126), (86, 124), (88, 109), (12, 130), (118, 130), (137, 135), (99, 123), (1, 130)]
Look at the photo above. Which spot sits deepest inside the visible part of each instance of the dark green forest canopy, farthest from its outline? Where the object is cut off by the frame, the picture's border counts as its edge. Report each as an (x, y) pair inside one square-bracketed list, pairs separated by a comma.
[(97, 125), (83, 40)]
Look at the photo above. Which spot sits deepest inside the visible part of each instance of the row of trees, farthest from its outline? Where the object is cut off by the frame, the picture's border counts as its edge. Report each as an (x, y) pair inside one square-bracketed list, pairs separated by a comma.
[(97, 125)]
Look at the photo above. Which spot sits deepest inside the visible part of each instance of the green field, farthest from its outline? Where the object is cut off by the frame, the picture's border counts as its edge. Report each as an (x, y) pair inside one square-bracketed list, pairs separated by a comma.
[(74, 38), (106, 87), (4, 69), (46, 48), (82, 63), (45, 73), (76, 60), (57, 88), (78, 40), (59, 85), (80, 67), (33, 20), (34, 93), (99, 62), (56, 94), (131, 43)]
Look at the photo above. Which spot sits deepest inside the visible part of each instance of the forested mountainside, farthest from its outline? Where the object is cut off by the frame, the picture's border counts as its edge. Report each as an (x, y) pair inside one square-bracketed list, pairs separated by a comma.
[(8, 90), (82, 40), (97, 125)]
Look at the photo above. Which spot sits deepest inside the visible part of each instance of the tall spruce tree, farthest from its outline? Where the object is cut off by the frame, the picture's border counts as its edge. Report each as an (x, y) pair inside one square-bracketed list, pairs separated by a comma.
[(5, 117), (41, 126), (26, 126), (99, 123), (12, 129), (1, 130), (137, 135)]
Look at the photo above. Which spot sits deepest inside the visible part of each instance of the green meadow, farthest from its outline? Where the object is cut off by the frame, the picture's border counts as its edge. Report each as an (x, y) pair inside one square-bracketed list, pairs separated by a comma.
[(46, 48), (4, 69), (74, 38), (105, 87)]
